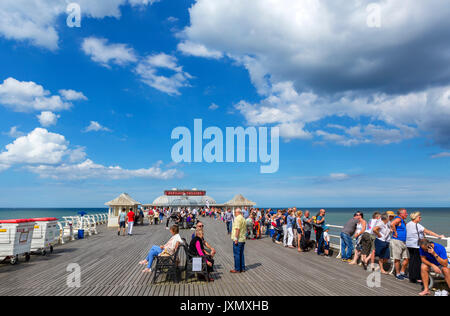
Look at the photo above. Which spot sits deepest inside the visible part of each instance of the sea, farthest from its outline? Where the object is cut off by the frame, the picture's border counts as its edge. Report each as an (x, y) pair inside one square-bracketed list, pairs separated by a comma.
[(436, 219)]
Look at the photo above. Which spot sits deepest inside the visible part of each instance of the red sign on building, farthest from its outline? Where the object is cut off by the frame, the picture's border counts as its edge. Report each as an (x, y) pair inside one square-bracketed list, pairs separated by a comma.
[(184, 192)]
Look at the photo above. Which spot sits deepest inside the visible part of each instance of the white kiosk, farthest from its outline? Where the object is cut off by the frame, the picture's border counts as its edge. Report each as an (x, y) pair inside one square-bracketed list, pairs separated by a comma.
[(122, 201)]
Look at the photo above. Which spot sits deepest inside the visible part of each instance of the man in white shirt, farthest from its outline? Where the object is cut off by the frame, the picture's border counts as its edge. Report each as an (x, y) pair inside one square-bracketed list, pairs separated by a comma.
[(383, 232)]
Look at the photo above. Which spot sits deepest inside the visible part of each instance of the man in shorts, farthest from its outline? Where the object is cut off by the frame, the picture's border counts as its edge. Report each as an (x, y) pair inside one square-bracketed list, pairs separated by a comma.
[(122, 222), (383, 233), (398, 244)]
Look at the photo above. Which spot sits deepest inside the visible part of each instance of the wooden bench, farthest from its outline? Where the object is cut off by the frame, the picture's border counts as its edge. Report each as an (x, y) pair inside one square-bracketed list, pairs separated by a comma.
[(189, 264), (167, 265)]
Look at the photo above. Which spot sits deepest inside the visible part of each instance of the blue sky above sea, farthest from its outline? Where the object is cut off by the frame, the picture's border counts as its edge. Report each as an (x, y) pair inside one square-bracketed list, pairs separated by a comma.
[(353, 129)]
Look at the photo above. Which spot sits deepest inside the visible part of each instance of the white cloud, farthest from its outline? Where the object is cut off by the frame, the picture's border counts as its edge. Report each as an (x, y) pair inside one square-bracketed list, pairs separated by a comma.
[(441, 155), (72, 95), (101, 52), (49, 155), (393, 77), (78, 154), (193, 49), (147, 69), (401, 117), (48, 118), (339, 176), (96, 127), (213, 107), (88, 169), (36, 21), (172, 19), (38, 147), (142, 2), (14, 132), (26, 96)]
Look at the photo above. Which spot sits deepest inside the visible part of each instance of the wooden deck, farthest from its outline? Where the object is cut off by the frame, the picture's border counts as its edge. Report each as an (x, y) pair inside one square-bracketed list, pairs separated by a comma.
[(109, 267)]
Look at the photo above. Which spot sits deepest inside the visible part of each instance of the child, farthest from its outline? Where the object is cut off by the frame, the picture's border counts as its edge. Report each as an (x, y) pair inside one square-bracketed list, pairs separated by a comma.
[(326, 238)]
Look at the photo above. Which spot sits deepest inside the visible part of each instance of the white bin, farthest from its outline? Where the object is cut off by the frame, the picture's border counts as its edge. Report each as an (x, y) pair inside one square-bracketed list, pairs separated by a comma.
[(15, 239), (45, 234)]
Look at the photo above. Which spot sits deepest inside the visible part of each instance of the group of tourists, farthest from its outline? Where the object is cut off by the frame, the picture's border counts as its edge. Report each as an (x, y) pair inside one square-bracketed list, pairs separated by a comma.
[(389, 236), (385, 236)]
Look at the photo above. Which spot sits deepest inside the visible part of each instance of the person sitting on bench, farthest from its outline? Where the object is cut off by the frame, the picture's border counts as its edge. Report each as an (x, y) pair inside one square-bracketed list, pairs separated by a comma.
[(197, 247), (167, 250), (434, 257)]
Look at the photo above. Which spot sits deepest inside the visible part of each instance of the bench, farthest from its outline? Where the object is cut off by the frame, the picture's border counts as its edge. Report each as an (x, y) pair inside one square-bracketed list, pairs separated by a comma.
[(167, 265), (189, 264)]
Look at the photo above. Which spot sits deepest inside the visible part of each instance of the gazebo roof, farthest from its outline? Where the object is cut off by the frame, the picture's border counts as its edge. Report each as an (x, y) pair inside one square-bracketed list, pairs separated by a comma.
[(123, 200), (239, 200)]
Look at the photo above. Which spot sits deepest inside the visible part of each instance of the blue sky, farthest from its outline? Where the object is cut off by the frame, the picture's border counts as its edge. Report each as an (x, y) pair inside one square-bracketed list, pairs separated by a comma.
[(364, 113)]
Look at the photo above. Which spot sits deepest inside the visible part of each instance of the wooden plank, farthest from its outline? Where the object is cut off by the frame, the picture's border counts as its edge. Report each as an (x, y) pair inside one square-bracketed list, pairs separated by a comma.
[(109, 267)]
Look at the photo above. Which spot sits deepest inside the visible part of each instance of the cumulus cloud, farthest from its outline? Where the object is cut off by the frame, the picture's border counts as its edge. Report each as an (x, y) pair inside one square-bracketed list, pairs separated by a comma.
[(106, 54), (72, 95), (27, 96), (213, 107), (88, 169), (48, 118), (96, 127), (148, 69), (36, 21), (38, 147), (311, 60), (193, 49), (50, 156), (14, 132)]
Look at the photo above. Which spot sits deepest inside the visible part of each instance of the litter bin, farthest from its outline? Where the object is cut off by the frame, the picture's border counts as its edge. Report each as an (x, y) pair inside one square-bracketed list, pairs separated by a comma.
[(45, 234), (80, 233), (15, 239)]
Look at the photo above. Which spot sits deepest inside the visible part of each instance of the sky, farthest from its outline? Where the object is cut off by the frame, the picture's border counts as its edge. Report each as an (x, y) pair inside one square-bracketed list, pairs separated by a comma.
[(360, 95)]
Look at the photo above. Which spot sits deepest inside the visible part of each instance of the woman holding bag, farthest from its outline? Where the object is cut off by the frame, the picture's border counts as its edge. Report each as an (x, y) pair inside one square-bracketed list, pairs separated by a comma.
[(414, 232)]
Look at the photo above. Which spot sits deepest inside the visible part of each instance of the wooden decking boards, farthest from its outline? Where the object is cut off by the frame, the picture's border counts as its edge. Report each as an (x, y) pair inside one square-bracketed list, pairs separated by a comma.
[(109, 266)]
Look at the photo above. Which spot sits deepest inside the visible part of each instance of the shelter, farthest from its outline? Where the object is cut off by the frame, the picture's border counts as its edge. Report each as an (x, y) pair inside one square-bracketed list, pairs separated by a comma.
[(239, 201), (122, 201)]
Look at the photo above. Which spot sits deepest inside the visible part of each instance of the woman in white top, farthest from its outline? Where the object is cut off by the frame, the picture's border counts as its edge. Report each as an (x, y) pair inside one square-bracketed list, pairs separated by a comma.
[(360, 229), (370, 226), (166, 250), (415, 232)]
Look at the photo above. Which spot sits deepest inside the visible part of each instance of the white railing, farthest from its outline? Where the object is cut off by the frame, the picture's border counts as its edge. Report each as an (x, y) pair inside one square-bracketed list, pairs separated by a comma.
[(338, 246), (333, 245), (69, 226)]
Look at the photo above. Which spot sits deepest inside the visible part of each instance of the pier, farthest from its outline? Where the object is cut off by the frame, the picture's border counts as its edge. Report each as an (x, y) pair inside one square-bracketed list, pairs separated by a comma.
[(109, 267)]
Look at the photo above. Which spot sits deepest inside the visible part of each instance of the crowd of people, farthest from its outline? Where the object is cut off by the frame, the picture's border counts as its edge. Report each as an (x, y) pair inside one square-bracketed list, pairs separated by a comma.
[(385, 236)]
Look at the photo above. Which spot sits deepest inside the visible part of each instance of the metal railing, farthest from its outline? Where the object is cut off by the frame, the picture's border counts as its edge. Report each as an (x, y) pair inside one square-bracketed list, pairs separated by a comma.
[(69, 226), (338, 246)]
